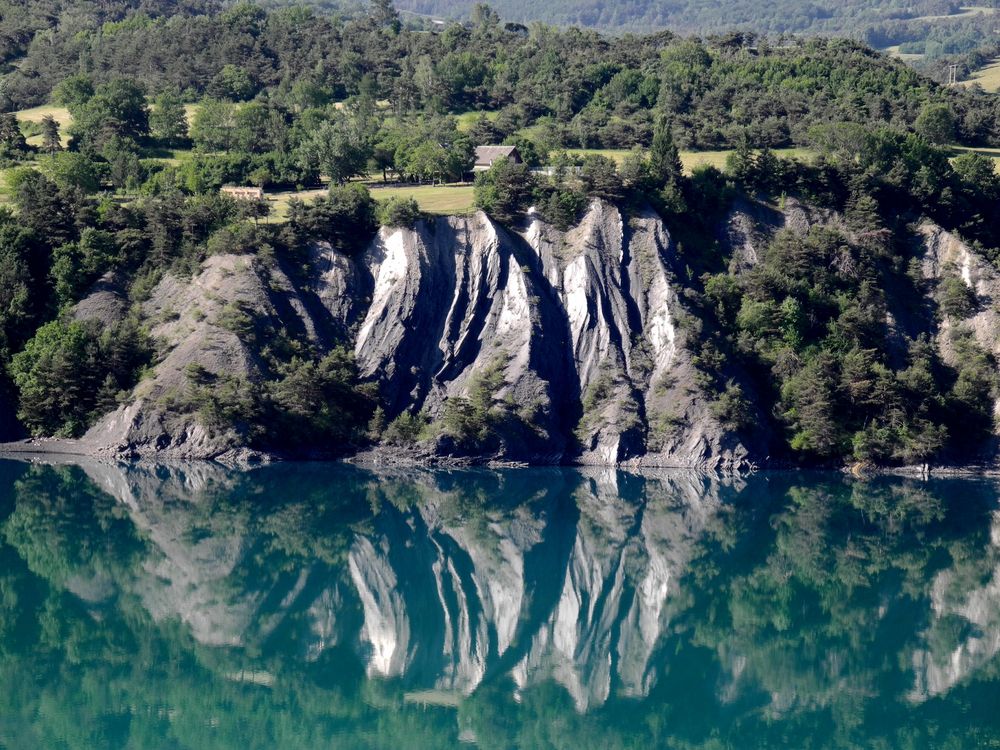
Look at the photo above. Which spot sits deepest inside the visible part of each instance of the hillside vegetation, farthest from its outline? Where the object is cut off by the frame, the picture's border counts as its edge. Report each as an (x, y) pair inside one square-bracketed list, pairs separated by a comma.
[(703, 17), (610, 302)]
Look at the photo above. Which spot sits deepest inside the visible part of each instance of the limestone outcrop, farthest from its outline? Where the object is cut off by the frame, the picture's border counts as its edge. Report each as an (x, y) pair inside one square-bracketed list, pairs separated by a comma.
[(582, 335)]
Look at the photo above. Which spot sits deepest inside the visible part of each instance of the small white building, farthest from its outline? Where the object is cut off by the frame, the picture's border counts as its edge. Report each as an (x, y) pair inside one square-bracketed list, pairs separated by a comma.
[(243, 193)]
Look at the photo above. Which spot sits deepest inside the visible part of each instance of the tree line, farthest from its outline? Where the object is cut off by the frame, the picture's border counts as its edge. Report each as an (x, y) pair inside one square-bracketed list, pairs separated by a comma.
[(569, 87)]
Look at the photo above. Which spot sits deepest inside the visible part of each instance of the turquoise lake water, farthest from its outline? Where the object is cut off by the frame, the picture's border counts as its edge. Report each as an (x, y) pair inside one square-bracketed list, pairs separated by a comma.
[(325, 606)]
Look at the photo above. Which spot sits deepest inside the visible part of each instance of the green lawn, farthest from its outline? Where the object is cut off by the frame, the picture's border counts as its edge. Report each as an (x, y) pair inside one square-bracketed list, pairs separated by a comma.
[(988, 77), (433, 199), (171, 156), (691, 159), (467, 119)]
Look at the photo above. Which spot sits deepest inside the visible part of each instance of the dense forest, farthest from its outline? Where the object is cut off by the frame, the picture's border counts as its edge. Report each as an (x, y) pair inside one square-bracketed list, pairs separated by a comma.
[(702, 17), (485, 63), (576, 87), (934, 29), (293, 97)]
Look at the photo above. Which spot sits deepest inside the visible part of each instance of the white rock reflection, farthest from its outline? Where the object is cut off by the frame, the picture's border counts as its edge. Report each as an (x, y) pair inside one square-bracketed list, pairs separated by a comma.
[(964, 634), (438, 592)]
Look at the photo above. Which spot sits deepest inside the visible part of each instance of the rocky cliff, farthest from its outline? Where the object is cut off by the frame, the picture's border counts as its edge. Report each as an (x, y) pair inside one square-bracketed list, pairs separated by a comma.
[(585, 329), (581, 343)]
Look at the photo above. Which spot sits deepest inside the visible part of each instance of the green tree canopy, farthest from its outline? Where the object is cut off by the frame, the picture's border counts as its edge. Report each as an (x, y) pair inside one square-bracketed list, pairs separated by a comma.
[(168, 119), (936, 123), (117, 108), (505, 190)]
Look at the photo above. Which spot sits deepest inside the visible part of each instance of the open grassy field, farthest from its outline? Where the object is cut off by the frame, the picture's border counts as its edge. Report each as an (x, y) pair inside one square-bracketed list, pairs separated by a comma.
[(171, 156), (893, 51), (37, 114), (467, 119), (63, 117), (691, 159), (615, 154), (5, 197), (992, 153), (433, 199), (279, 201), (966, 11), (988, 77)]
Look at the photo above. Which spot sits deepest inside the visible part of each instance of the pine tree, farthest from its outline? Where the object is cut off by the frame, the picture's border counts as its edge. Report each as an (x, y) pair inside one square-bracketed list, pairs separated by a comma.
[(384, 15), (666, 173), (12, 141), (664, 158), (168, 120), (741, 164), (51, 141)]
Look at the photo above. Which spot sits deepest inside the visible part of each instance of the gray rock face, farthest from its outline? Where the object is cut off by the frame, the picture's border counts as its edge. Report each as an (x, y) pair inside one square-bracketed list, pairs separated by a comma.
[(618, 293), (106, 303), (585, 327), (946, 255), (197, 324), (749, 228), (450, 300)]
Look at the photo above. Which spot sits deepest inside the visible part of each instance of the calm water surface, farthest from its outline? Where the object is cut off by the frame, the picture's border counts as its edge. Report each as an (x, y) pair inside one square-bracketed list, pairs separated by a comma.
[(320, 606)]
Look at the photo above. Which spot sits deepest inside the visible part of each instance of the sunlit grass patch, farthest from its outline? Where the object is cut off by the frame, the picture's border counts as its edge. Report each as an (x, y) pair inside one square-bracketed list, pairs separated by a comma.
[(988, 77), (691, 159)]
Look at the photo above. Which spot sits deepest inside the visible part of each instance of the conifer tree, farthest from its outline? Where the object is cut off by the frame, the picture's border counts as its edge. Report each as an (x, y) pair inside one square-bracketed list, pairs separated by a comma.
[(50, 135), (168, 120)]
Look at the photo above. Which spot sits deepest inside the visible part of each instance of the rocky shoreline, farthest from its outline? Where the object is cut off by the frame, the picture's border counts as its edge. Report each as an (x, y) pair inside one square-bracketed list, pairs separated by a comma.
[(61, 450)]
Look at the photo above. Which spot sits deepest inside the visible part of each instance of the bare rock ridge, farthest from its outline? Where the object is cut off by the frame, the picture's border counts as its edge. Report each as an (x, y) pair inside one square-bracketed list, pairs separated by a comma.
[(947, 256), (202, 325), (584, 326), (452, 299), (585, 335)]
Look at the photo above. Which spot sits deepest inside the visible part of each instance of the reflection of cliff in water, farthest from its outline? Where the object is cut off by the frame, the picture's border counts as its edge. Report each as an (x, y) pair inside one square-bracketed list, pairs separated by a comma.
[(782, 598), (963, 636), (431, 579), (572, 585)]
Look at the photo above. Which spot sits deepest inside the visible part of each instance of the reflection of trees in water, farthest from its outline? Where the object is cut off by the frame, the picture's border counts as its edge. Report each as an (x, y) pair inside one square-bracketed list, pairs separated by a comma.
[(156, 602), (814, 612), (70, 532)]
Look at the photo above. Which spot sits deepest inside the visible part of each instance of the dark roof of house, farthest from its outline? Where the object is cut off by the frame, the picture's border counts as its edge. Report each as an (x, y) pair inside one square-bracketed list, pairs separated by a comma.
[(488, 154)]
